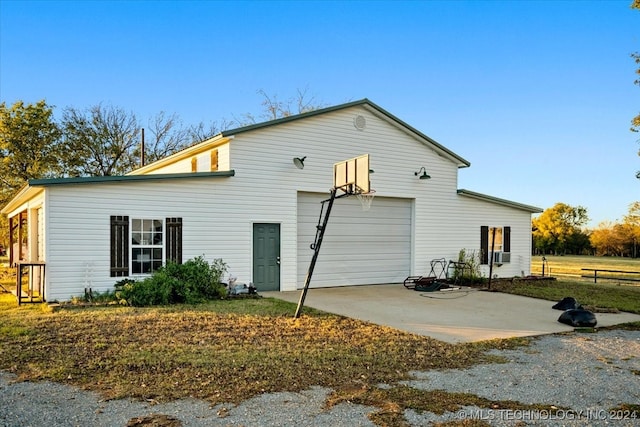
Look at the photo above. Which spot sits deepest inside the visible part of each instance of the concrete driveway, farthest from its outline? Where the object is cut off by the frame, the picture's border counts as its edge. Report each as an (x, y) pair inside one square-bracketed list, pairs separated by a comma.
[(464, 315)]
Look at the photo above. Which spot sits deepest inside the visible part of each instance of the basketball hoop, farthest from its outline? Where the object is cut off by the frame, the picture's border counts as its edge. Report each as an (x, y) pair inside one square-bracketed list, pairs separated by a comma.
[(366, 199)]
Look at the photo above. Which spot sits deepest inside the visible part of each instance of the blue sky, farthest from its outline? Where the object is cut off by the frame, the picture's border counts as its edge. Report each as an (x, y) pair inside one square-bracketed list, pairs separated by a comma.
[(537, 95)]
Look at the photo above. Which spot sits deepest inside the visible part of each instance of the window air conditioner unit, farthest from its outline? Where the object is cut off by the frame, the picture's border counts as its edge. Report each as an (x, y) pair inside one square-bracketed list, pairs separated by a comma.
[(501, 257)]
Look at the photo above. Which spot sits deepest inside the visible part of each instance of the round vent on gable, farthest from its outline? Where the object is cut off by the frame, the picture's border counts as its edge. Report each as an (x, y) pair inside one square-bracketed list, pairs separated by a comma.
[(360, 122)]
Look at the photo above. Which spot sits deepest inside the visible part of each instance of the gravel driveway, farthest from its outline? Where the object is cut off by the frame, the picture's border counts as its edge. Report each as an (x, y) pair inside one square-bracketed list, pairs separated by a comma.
[(589, 373)]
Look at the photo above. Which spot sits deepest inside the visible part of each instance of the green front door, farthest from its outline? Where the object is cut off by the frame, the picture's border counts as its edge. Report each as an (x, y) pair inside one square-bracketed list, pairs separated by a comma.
[(266, 257)]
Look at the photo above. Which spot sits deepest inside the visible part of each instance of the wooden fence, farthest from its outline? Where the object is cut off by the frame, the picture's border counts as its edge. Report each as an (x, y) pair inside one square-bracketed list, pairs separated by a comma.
[(615, 275)]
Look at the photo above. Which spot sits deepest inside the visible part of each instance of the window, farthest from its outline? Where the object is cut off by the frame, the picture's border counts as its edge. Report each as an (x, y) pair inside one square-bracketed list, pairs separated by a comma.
[(146, 245), (150, 243), (500, 238), (495, 239)]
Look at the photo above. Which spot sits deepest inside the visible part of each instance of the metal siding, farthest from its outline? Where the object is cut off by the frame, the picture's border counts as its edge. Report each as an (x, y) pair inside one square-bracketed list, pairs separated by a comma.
[(359, 247), (218, 213)]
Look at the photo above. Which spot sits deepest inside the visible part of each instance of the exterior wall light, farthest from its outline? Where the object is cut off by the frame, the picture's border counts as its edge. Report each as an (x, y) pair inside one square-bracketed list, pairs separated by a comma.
[(424, 175), (299, 162)]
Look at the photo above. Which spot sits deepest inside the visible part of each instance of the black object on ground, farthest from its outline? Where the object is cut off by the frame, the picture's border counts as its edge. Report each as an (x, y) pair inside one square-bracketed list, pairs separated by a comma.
[(431, 286), (568, 303), (579, 318)]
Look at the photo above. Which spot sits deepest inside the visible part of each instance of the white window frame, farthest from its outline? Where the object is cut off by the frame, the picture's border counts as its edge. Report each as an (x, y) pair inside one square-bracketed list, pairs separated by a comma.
[(149, 240)]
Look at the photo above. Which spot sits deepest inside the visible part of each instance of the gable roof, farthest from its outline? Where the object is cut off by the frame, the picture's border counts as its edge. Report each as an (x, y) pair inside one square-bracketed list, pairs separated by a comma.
[(496, 200), (373, 108)]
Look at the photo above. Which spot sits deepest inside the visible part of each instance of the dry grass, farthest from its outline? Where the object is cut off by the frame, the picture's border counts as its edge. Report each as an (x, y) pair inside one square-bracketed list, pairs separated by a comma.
[(570, 266), (394, 400), (229, 351), (210, 353)]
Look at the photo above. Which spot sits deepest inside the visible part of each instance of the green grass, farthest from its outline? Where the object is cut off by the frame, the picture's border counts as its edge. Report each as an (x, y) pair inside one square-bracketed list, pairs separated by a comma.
[(603, 296), (572, 265)]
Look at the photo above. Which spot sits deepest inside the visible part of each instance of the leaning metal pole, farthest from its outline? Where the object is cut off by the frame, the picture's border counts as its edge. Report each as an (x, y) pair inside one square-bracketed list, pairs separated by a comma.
[(493, 245), (316, 250)]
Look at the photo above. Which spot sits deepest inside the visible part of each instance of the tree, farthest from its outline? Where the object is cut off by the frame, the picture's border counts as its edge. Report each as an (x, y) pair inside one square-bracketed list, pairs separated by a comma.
[(28, 143), (100, 141), (29, 147), (631, 222), (273, 108), (619, 239), (605, 239), (635, 122), (556, 227), (200, 132), (166, 136)]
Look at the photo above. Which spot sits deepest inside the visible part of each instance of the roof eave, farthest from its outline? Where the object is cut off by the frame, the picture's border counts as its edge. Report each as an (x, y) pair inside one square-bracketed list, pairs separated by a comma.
[(128, 178), (461, 162), (292, 118), (182, 154), (26, 193), (34, 186), (496, 200)]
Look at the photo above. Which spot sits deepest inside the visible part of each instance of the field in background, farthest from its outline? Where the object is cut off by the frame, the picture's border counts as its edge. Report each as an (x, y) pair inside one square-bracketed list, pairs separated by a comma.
[(570, 267)]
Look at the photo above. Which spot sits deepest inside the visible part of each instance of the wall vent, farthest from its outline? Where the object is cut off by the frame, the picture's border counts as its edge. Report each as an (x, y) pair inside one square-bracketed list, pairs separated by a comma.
[(360, 122)]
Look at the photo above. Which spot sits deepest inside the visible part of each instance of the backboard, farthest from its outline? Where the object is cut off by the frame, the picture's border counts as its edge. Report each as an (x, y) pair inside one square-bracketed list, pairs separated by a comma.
[(352, 176)]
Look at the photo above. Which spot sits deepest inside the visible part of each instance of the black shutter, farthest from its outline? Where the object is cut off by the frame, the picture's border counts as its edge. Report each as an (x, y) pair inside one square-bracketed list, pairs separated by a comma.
[(119, 246), (506, 239), (484, 244), (174, 240)]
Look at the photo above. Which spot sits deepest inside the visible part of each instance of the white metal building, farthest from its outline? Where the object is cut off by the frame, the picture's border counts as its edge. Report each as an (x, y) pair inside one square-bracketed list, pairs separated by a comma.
[(238, 196)]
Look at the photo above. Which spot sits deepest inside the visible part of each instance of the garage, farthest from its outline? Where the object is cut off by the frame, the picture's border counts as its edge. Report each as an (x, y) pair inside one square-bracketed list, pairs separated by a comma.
[(359, 247)]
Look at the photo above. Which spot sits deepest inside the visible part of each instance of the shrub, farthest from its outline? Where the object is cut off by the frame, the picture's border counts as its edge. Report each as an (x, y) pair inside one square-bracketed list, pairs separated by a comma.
[(192, 282), (471, 272)]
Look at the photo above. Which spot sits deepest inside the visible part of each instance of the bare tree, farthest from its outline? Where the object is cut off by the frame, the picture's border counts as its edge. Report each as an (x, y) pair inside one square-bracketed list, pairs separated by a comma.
[(165, 136), (100, 141), (200, 132), (274, 108)]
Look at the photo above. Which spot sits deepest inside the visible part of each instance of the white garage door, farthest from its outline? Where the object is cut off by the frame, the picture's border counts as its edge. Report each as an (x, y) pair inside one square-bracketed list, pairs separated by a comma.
[(359, 247)]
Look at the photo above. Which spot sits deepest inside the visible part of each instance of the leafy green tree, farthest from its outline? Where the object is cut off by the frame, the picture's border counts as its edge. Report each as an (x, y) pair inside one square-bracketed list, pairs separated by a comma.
[(29, 148), (554, 228), (579, 243), (28, 143)]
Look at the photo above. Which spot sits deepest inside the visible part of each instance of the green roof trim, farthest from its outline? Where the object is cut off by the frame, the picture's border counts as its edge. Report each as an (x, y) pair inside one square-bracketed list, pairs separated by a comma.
[(127, 178), (499, 201), (292, 118), (363, 102)]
